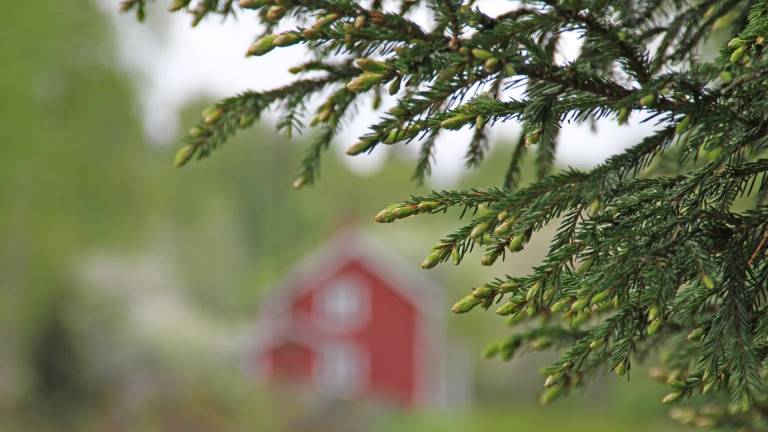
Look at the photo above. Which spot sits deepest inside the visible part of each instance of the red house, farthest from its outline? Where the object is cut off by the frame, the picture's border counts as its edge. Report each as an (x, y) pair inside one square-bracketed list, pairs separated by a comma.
[(352, 321)]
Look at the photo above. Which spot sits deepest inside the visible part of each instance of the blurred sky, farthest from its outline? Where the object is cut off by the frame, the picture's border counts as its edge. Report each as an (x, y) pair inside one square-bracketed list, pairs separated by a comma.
[(174, 64)]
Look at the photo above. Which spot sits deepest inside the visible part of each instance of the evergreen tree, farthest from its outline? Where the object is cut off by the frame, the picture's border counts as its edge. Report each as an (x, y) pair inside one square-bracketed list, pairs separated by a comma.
[(660, 250)]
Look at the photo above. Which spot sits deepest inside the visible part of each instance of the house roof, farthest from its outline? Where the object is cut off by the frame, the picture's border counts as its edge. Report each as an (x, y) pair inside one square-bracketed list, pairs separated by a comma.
[(350, 245)]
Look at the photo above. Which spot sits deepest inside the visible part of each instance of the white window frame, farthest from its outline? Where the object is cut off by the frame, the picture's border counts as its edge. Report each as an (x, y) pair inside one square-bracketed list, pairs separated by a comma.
[(343, 304), (342, 370)]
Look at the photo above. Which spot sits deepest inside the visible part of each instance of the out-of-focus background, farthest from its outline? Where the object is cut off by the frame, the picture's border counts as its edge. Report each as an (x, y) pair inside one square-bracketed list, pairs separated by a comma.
[(138, 297)]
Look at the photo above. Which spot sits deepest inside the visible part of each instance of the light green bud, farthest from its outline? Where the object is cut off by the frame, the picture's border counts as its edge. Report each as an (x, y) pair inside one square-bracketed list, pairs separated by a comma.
[(466, 304)]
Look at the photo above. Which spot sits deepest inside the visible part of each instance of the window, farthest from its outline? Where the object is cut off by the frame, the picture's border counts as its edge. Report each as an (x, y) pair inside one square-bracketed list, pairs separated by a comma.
[(341, 370), (343, 303)]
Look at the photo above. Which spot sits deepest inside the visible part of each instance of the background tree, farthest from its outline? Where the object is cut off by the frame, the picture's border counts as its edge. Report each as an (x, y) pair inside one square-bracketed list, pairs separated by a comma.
[(659, 249)]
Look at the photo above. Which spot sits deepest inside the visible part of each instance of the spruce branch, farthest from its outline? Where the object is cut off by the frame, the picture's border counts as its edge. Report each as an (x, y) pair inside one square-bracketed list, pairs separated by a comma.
[(658, 249)]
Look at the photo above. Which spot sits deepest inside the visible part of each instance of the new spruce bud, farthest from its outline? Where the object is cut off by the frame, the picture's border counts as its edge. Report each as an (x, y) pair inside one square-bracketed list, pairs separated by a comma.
[(394, 136), (507, 308), (516, 244), (491, 351), (404, 211), (300, 182), (429, 205), (552, 380), (695, 335), (505, 227), (595, 207), (671, 397), (735, 43), (275, 12), (287, 39), (620, 369), (211, 115), (515, 318), (479, 229), (737, 54), (507, 287), (360, 147), (385, 215), (704, 422), (491, 64), (483, 292), (560, 305), (509, 70), (657, 373), (597, 343), (648, 99), (183, 155), (177, 5), (580, 304), (325, 113), (197, 15), (394, 86), (432, 259), (455, 122), (481, 54), (707, 281), (550, 394), (580, 318), (262, 46), (310, 33), (373, 66), (246, 120), (531, 310), (673, 376), (533, 290), (455, 255), (541, 343), (466, 304), (489, 258), (364, 82), (585, 265), (653, 312), (196, 132), (682, 126), (549, 294), (726, 77), (326, 19), (252, 4), (623, 115), (654, 326), (601, 296), (533, 137), (742, 405), (359, 22), (684, 416), (601, 307)]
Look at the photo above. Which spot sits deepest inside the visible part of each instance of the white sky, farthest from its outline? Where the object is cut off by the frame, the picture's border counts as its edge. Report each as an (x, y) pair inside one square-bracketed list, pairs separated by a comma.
[(174, 64)]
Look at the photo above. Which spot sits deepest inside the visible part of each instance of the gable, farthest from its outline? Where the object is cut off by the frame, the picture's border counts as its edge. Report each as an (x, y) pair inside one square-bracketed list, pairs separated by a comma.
[(350, 245), (349, 298)]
